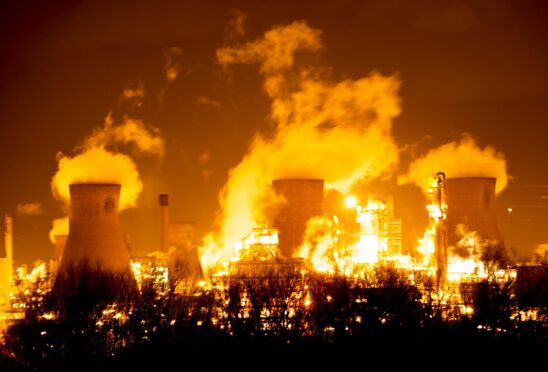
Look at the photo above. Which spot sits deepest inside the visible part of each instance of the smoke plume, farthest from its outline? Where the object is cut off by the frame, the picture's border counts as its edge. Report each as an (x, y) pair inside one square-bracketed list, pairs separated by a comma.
[(98, 165), (29, 209), (235, 27), (134, 94), (172, 67), (97, 161), (463, 158), (59, 227), (337, 131), (129, 132)]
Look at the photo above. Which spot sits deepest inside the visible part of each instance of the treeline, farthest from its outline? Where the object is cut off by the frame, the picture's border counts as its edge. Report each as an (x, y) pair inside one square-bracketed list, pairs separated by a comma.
[(267, 315)]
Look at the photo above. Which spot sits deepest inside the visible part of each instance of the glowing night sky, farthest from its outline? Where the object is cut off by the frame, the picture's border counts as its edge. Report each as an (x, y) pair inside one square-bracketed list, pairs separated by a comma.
[(69, 67)]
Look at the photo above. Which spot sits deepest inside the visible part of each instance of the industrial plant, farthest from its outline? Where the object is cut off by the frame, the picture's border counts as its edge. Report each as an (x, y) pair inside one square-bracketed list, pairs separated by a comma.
[(282, 279), (219, 184), (301, 246)]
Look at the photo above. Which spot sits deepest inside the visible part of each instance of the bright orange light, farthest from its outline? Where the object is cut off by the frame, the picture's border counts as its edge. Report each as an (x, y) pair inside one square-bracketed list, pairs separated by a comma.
[(350, 201)]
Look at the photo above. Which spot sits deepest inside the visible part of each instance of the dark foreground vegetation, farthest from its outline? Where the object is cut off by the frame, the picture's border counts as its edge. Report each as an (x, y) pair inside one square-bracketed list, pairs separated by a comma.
[(278, 320)]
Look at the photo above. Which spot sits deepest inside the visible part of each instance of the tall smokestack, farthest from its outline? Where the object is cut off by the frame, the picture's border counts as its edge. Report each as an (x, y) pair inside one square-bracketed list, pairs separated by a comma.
[(303, 200), (439, 199), (6, 262), (8, 244), (95, 244), (163, 200), (470, 202)]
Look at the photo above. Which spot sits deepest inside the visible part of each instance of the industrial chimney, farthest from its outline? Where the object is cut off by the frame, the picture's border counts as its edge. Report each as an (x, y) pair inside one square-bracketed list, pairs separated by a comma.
[(6, 261), (95, 244), (8, 244), (163, 200), (303, 200), (470, 202)]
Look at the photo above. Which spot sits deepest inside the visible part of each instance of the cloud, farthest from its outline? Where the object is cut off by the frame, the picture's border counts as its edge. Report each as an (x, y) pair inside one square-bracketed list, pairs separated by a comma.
[(29, 209), (97, 160), (134, 94), (337, 131), (171, 66), (462, 158), (235, 27), (204, 160), (275, 52), (59, 226), (203, 100), (145, 139), (98, 165)]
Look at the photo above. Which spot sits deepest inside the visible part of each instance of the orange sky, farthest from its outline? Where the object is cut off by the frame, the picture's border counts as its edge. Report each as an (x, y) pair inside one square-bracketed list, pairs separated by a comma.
[(479, 67)]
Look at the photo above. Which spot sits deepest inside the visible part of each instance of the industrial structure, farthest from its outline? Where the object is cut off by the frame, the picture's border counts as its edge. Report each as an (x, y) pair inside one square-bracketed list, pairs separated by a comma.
[(177, 243), (163, 201), (380, 231), (470, 203), (438, 213), (95, 245), (302, 200), (260, 245), (183, 259), (6, 261)]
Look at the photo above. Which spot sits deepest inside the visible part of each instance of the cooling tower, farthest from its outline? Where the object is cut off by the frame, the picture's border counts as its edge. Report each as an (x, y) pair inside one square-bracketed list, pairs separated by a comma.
[(95, 245), (470, 203), (303, 200)]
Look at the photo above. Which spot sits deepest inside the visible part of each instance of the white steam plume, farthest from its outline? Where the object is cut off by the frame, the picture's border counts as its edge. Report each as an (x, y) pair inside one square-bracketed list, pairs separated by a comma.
[(462, 158), (338, 131)]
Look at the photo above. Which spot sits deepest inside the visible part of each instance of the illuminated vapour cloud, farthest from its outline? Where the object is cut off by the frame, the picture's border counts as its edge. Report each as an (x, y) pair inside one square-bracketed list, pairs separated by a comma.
[(462, 158), (95, 162), (337, 131)]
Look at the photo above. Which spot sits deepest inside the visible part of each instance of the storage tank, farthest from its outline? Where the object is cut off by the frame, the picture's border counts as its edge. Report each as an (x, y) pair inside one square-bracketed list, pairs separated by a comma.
[(470, 202), (303, 199), (95, 244)]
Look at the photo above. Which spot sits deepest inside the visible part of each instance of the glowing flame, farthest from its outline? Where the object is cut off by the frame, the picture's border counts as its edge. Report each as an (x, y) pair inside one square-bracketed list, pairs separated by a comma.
[(427, 245), (38, 272), (467, 262), (330, 251), (261, 244)]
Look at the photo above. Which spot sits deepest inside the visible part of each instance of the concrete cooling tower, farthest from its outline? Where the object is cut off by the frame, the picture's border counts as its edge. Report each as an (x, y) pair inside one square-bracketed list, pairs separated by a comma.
[(303, 200), (470, 203), (95, 244)]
